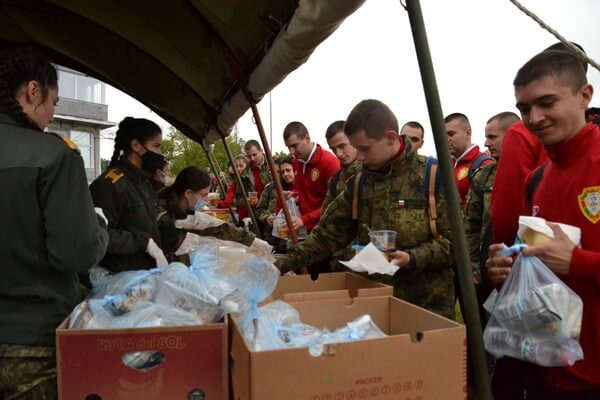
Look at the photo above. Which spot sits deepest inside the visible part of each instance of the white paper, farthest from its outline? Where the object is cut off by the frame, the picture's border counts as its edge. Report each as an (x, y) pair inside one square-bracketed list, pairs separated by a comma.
[(372, 261), (539, 225), (199, 221)]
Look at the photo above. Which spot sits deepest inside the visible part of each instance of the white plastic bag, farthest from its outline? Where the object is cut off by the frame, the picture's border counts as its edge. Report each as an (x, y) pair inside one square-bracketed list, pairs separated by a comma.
[(280, 228), (536, 317)]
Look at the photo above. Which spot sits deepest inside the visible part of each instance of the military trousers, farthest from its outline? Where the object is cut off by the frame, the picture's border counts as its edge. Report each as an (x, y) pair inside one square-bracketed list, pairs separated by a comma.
[(27, 373)]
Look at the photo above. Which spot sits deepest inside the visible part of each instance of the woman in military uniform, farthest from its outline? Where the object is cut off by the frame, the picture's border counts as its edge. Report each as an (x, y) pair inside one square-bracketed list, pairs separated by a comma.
[(187, 194), (128, 199), (49, 231)]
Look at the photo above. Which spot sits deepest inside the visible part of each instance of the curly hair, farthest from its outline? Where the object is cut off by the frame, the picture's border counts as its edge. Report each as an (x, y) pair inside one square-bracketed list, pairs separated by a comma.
[(18, 66)]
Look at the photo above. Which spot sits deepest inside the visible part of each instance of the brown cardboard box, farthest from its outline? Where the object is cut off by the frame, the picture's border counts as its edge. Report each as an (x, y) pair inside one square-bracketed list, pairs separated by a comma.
[(332, 285), (423, 358), (89, 362)]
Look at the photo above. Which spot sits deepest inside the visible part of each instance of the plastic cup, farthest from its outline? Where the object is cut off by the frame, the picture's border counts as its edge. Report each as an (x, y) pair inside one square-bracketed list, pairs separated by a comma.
[(385, 241), (214, 198)]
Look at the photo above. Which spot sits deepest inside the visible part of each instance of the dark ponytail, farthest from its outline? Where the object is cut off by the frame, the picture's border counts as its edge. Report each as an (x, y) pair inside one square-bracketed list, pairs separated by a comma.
[(18, 66), (192, 178), (133, 128)]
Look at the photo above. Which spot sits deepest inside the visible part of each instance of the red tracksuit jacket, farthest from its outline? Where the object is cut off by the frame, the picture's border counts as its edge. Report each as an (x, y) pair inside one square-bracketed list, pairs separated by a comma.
[(569, 192), (521, 154), (311, 182)]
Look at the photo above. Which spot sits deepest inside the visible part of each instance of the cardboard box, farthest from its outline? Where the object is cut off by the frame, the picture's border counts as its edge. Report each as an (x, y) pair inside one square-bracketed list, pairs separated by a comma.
[(89, 363), (423, 358), (331, 285)]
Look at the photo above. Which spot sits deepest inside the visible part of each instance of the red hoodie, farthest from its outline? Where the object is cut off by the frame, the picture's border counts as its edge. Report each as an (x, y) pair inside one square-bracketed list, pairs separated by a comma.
[(569, 192), (521, 154), (311, 182), (461, 172)]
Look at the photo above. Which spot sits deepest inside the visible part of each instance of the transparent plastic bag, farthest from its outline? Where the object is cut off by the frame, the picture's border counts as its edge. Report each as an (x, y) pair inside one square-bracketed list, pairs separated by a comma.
[(280, 228), (362, 328), (264, 332), (177, 286), (254, 281), (139, 284), (535, 313)]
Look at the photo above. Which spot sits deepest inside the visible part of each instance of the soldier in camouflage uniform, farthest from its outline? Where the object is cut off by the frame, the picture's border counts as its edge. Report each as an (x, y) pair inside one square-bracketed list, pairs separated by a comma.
[(344, 151), (391, 195), (181, 199), (478, 210), (266, 208)]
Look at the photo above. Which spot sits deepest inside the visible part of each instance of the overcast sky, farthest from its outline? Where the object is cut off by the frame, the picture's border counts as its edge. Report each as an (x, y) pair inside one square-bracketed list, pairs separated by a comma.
[(477, 47)]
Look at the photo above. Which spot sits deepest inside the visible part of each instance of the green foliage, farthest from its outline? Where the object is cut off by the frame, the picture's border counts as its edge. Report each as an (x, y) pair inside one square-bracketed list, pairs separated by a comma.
[(280, 153), (182, 152)]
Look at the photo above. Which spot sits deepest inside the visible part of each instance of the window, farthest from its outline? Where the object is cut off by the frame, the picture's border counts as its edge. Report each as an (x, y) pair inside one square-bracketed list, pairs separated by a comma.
[(88, 89), (66, 84), (80, 87), (83, 140)]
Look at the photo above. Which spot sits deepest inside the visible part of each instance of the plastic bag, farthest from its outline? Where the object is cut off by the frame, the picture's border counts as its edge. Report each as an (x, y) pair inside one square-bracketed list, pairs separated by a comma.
[(270, 329), (139, 284), (255, 280), (181, 288), (536, 317), (278, 326), (362, 328), (280, 228)]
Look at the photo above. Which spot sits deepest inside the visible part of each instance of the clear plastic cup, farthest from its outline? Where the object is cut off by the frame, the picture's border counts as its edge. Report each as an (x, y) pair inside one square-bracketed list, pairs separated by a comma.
[(385, 241), (253, 196)]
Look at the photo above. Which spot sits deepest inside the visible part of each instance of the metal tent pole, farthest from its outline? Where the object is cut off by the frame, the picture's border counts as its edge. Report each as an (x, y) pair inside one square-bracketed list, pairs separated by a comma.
[(238, 179), (459, 241), (216, 171)]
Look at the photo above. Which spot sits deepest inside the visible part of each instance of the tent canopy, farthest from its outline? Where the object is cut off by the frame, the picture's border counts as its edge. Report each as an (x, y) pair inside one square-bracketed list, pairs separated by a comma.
[(183, 59)]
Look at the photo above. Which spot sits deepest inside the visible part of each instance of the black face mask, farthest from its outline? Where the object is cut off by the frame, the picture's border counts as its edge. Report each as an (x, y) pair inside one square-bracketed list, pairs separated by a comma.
[(152, 161)]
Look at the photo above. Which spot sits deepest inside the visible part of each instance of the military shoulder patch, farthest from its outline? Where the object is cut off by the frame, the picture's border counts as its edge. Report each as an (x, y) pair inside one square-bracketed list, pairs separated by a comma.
[(589, 203), (70, 143), (114, 175)]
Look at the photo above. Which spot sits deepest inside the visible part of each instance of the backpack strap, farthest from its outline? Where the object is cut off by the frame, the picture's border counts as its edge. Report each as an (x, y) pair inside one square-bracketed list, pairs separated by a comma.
[(334, 182), (535, 181), (477, 163), (356, 193), (431, 186)]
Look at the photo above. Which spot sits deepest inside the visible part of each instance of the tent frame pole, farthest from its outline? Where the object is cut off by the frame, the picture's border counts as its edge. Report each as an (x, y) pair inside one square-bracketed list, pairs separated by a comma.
[(459, 242), (238, 180)]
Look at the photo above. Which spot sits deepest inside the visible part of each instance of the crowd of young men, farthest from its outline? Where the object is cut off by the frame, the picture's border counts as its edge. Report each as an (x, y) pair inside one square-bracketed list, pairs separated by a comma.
[(379, 181)]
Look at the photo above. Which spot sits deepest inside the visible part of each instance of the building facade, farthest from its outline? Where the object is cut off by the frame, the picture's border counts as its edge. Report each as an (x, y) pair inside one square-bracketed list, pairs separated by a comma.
[(81, 114)]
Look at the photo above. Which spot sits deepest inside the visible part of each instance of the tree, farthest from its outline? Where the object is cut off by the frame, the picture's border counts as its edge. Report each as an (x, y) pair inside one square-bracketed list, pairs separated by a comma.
[(281, 154), (182, 152)]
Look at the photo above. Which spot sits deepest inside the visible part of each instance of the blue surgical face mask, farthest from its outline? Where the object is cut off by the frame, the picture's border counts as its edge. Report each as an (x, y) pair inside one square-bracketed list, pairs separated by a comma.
[(200, 204)]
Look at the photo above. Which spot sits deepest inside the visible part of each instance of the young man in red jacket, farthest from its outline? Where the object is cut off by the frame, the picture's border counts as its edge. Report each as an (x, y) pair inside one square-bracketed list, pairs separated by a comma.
[(552, 94), (467, 157), (313, 168)]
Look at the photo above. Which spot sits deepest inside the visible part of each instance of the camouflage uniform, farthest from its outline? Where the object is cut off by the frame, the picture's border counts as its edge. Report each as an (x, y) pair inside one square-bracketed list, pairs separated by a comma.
[(173, 237), (265, 174), (265, 208), (340, 179), (392, 198), (477, 216), (27, 373)]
